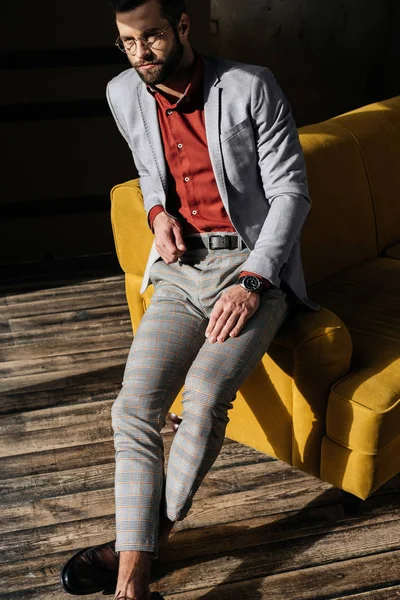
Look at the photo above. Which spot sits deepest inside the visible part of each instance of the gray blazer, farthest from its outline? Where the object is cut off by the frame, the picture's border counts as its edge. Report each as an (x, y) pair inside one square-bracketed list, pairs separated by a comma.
[(255, 154)]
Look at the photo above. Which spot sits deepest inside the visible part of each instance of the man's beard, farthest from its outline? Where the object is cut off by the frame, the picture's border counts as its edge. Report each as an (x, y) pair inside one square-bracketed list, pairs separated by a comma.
[(164, 69)]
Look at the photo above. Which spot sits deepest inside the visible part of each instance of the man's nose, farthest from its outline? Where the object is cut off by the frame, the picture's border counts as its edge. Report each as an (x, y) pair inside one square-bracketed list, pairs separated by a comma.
[(142, 51)]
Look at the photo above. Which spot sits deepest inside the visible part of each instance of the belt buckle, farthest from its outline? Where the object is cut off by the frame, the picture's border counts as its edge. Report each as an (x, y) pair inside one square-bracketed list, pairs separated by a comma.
[(225, 242), (210, 242)]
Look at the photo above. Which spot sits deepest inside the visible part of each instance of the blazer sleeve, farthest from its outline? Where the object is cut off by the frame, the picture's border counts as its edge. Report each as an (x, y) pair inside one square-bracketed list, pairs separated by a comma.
[(150, 195), (283, 173)]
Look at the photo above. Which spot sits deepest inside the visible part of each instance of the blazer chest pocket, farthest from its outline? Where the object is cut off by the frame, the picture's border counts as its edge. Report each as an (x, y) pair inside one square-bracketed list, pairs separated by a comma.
[(235, 129), (240, 156)]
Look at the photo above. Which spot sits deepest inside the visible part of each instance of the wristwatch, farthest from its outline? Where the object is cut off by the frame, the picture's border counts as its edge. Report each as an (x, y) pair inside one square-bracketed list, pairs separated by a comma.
[(251, 283)]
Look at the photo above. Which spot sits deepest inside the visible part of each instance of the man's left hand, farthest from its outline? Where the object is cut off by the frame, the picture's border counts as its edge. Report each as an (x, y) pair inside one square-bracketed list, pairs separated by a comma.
[(230, 313)]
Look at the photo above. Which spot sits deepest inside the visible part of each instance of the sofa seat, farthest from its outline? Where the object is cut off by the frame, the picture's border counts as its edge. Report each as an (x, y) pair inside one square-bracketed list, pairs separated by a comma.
[(364, 408)]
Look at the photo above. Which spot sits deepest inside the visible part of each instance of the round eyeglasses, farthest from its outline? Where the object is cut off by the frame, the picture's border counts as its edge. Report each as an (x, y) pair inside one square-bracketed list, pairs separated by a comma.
[(150, 40)]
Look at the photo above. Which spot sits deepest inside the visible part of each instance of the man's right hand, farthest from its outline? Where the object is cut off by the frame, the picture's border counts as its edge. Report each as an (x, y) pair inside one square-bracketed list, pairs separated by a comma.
[(168, 238)]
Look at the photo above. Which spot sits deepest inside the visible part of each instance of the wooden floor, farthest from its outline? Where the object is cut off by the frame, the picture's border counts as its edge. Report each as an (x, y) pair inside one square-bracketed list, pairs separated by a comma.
[(258, 528)]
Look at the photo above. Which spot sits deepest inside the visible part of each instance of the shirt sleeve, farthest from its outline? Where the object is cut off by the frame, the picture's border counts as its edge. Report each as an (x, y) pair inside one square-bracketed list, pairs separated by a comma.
[(156, 210)]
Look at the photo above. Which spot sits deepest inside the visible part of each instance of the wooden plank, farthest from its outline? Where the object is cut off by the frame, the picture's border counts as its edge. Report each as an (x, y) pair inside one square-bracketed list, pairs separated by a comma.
[(54, 418), (37, 572), (21, 545), (25, 329), (60, 394), (64, 509), (77, 329), (294, 554), (53, 592), (26, 278), (79, 494), (67, 304), (257, 528), (69, 426), (50, 366), (60, 318), (57, 459), (66, 345), (297, 546), (18, 492), (387, 593), (292, 495), (68, 367), (20, 574), (66, 289), (108, 370), (317, 519), (325, 581)]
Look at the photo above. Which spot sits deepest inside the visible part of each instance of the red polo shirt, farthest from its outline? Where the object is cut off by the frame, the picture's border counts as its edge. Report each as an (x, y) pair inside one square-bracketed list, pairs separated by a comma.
[(193, 195)]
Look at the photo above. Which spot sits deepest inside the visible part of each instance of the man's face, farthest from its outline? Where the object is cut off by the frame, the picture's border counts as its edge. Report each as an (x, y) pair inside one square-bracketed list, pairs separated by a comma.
[(154, 66)]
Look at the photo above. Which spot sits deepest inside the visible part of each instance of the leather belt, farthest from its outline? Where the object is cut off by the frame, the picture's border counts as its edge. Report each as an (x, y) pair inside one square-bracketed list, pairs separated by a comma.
[(215, 242)]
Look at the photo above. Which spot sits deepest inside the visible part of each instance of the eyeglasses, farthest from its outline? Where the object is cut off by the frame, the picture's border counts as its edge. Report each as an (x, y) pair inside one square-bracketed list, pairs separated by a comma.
[(150, 40)]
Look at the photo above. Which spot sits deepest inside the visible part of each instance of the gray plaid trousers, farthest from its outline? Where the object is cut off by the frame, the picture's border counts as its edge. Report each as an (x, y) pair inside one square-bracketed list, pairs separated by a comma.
[(170, 350)]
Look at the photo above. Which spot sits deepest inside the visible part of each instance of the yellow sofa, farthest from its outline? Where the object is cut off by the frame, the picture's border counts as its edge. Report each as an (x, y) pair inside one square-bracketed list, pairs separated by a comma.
[(326, 397)]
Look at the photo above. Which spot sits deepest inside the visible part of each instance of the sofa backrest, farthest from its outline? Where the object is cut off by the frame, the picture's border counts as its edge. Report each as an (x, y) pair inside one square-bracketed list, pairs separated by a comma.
[(376, 130), (340, 229)]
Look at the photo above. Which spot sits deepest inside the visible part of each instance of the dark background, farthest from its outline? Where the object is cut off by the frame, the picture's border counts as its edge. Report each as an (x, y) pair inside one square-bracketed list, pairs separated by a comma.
[(61, 150)]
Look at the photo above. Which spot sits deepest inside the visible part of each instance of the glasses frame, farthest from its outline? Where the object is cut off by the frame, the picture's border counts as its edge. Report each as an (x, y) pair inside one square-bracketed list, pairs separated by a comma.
[(159, 36)]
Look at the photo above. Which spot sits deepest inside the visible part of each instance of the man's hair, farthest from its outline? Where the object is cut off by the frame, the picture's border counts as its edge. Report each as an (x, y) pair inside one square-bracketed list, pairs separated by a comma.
[(172, 10)]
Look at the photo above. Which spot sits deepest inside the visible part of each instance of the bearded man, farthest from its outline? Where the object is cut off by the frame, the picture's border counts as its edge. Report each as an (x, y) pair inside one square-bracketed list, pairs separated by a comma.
[(225, 190)]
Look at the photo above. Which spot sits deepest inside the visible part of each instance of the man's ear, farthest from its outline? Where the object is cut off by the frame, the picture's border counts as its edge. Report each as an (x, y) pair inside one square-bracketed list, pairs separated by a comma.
[(184, 26)]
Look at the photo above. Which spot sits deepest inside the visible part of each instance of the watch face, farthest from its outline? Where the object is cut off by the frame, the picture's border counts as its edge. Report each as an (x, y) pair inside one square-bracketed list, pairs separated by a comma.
[(252, 283)]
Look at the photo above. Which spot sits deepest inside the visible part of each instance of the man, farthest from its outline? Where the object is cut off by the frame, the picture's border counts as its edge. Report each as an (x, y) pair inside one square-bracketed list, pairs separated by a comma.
[(225, 190)]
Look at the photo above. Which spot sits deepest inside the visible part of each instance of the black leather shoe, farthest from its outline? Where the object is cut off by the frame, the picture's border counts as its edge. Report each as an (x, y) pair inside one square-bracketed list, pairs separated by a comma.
[(174, 421), (91, 570)]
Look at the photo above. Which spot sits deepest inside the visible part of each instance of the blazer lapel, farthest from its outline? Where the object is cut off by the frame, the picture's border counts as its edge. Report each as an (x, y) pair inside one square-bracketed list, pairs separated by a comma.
[(148, 108), (212, 113)]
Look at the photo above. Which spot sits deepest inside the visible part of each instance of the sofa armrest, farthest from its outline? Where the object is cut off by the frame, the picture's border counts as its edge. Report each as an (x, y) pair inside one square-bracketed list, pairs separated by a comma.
[(132, 235), (322, 350)]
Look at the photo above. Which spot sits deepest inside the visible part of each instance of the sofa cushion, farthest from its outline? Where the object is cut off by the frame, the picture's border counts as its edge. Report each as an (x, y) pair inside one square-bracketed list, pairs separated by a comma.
[(340, 230), (364, 408), (376, 129)]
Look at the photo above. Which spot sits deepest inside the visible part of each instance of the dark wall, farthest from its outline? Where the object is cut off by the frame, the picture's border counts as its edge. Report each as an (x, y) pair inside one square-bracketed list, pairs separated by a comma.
[(62, 151), (392, 65), (329, 56)]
